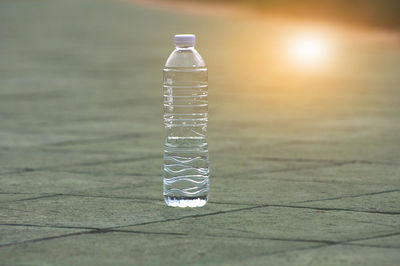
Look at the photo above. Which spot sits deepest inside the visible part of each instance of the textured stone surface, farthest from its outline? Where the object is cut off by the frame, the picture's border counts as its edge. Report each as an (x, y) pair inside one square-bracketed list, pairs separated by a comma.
[(305, 166), (122, 248), (19, 233), (284, 223), (331, 255), (95, 212)]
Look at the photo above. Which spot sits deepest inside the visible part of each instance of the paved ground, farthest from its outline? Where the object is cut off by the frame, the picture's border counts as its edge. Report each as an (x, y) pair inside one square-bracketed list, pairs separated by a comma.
[(305, 164)]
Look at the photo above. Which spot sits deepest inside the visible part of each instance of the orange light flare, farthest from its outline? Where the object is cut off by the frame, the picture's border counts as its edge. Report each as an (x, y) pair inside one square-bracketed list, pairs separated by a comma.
[(309, 51)]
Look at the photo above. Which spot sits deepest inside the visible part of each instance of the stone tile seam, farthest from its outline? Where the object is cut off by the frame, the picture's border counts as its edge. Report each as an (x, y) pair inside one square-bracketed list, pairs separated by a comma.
[(326, 243), (232, 203), (334, 163), (29, 169)]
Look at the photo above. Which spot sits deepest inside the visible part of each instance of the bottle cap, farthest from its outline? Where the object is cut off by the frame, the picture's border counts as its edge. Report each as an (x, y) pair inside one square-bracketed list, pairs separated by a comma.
[(185, 39)]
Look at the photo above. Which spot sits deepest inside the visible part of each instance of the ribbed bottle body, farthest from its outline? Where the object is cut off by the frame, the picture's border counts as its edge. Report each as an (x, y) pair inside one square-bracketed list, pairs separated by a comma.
[(186, 160)]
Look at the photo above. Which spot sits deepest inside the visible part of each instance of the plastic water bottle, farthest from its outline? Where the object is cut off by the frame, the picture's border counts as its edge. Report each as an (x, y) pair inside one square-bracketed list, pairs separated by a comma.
[(186, 163)]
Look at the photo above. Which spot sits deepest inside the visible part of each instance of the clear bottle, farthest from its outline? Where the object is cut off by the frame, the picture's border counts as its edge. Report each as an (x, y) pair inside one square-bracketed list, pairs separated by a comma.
[(186, 161)]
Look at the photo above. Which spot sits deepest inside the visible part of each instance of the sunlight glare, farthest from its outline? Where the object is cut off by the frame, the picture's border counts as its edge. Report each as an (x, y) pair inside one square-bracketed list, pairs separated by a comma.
[(308, 50)]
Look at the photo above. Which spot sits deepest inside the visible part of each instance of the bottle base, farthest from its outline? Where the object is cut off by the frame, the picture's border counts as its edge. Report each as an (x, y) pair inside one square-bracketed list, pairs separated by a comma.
[(183, 202)]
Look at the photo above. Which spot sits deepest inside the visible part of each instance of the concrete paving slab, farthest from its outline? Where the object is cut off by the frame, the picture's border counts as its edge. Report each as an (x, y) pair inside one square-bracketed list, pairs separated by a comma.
[(297, 145), (392, 241), (53, 182), (122, 248), (304, 166), (129, 143), (372, 174), (329, 255), (287, 223), (96, 212), (146, 166), (238, 167), (16, 234), (265, 191), (9, 196), (259, 190), (34, 159), (12, 139), (384, 202)]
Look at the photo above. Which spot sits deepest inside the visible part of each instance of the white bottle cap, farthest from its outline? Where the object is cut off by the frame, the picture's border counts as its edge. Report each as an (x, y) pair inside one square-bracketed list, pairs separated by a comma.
[(185, 39)]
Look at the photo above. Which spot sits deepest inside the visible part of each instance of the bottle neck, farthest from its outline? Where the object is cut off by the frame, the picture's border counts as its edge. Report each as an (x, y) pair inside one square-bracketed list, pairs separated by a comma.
[(184, 47)]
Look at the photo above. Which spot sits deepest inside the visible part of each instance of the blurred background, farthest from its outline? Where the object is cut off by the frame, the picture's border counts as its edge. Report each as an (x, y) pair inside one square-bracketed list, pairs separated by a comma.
[(288, 80), (304, 122), (357, 12)]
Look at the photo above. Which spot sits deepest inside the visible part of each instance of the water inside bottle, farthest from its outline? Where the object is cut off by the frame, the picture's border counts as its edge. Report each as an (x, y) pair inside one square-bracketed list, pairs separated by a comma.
[(186, 162)]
